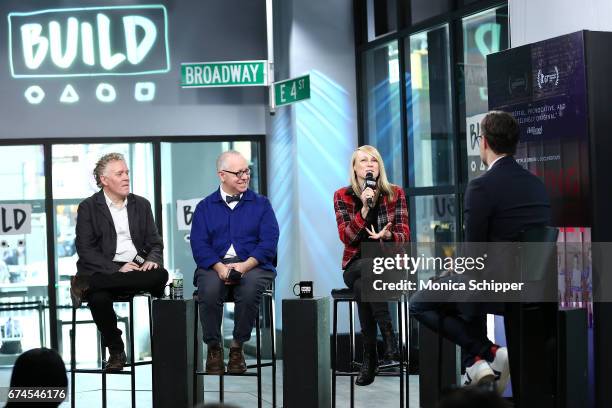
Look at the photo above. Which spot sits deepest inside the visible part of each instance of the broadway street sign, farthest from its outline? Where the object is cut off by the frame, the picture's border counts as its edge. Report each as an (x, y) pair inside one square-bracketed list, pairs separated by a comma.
[(224, 73)]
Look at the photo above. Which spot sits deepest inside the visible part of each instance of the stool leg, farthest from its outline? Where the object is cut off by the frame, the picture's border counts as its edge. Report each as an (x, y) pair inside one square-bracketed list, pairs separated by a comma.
[(41, 325), (352, 349), (149, 300), (222, 376), (132, 354), (401, 357), (333, 352), (406, 348), (195, 354), (258, 355), (73, 360), (103, 376), (273, 340)]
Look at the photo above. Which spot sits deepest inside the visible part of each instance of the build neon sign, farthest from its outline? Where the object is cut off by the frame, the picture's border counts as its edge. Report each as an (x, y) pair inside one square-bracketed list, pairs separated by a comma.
[(89, 42)]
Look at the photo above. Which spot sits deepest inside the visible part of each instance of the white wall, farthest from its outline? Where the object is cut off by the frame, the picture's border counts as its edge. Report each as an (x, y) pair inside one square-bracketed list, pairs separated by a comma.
[(537, 20), (310, 143)]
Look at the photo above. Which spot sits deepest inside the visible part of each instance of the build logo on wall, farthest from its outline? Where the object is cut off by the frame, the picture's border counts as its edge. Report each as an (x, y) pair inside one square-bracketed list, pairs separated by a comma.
[(95, 43)]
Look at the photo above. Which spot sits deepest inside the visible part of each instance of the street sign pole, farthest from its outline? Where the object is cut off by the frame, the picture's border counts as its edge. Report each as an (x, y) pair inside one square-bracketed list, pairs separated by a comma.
[(270, 67)]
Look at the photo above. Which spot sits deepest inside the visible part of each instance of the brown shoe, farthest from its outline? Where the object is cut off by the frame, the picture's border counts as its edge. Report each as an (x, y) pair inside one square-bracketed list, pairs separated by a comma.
[(214, 360), (78, 287), (236, 363), (115, 362)]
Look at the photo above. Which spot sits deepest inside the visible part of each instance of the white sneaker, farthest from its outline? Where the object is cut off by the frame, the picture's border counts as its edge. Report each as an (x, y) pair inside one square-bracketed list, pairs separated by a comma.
[(501, 368), (477, 374)]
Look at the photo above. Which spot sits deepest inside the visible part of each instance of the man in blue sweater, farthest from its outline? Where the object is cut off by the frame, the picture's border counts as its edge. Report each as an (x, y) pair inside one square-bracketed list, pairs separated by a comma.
[(234, 235)]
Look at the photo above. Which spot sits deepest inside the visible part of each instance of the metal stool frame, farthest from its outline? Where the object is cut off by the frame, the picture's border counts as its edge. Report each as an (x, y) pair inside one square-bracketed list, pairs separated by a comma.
[(131, 363), (268, 293), (346, 295)]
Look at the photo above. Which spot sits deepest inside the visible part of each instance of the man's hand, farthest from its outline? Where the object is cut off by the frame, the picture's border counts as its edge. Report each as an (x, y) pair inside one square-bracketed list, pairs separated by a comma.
[(222, 270), (244, 267), (383, 234), (148, 265), (129, 267)]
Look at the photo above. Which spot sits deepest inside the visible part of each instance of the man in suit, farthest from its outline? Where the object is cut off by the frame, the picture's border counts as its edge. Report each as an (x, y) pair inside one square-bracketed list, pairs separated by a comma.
[(234, 235), (501, 203), (113, 227)]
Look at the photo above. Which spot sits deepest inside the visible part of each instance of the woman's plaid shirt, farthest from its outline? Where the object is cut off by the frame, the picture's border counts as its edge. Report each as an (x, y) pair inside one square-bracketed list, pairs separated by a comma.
[(351, 225)]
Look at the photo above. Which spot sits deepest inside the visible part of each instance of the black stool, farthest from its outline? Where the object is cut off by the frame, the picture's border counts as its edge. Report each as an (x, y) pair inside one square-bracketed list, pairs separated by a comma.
[(347, 295), (268, 293), (131, 357)]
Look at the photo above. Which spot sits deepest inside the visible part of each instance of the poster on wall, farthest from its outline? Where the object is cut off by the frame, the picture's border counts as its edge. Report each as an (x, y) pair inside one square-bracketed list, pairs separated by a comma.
[(544, 86), (472, 129), (184, 213)]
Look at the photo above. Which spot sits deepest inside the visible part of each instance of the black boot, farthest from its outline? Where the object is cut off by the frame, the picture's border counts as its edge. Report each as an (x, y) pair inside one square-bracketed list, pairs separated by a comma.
[(369, 367), (391, 353)]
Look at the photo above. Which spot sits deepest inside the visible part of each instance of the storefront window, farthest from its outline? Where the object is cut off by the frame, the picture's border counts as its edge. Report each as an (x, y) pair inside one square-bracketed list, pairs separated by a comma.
[(483, 34), (430, 143), (381, 17), (382, 124), (23, 251)]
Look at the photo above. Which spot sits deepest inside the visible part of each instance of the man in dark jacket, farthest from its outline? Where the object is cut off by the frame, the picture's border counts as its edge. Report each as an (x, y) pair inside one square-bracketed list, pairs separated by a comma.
[(120, 251), (499, 205)]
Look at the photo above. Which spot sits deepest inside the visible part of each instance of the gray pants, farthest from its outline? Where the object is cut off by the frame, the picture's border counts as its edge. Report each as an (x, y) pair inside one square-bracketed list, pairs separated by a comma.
[(212, 292)]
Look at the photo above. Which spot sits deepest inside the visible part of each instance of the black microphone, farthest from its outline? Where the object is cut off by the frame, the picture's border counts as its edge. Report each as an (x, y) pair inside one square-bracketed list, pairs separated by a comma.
[(141, 256), (370, 182)]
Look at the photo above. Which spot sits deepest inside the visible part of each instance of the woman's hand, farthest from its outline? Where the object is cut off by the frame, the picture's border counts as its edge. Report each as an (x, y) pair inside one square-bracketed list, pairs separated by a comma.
[(365, 195), (383, 234)]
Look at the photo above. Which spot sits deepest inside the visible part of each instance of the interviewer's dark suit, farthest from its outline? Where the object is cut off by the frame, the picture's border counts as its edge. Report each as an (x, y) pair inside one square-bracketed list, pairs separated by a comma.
[(96, 244), (498, 205)]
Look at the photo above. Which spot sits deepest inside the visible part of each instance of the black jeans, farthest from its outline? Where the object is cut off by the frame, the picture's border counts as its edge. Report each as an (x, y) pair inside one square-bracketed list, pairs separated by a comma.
[(463, 323), (369, 313), (104, 288)]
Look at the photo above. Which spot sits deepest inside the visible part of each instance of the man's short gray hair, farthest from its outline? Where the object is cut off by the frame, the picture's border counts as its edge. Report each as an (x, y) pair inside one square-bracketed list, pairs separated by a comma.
[(222, 159), (103, 162)]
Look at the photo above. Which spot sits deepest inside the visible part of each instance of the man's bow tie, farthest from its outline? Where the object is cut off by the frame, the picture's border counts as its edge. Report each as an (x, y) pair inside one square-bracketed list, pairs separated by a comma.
[(232, 198)]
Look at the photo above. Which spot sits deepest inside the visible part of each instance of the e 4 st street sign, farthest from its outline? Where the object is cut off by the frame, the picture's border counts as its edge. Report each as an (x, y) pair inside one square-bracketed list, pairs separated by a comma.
[(292, 90), (224, 73)]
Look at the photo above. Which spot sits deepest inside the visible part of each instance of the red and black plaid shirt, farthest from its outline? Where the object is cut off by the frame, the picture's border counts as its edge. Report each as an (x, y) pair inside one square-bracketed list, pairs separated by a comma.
[(351, 225)]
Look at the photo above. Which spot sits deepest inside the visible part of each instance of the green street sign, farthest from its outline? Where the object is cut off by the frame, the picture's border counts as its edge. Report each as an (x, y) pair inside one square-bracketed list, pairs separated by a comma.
[(292, 90), (224, 73)]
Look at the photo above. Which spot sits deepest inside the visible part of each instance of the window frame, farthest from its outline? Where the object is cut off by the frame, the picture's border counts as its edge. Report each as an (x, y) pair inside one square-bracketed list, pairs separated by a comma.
[(453, 19)]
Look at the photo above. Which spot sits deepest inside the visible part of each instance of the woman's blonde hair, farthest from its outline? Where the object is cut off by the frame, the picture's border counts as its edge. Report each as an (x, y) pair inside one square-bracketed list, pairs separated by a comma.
[(382, 184)]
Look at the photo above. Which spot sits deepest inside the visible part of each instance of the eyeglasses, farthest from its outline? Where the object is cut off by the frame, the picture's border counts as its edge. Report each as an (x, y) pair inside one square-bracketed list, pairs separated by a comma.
[(239, 173)]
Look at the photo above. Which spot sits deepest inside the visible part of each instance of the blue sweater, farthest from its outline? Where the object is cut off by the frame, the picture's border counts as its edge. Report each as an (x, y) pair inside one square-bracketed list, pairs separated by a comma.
[(251, 227)]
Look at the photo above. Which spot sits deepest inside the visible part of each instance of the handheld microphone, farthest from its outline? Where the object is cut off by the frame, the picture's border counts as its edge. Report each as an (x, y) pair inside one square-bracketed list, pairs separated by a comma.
[(370, 182), (141, 256)]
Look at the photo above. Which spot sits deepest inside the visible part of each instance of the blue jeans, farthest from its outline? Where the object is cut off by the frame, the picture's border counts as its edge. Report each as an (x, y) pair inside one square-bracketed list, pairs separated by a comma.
[(212, 293)]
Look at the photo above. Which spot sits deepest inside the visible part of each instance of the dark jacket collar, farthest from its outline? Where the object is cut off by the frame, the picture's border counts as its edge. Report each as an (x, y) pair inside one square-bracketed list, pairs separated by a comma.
[(100, 200), (504, 161)]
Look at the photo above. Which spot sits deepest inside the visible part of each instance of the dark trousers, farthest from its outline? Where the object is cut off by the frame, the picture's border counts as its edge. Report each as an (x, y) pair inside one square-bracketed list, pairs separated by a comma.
[(212, 293), (463, 323), (369, 313), (104, 288)]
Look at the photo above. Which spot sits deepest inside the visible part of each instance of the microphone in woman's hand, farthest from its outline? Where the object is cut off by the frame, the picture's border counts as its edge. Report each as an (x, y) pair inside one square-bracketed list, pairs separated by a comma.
[(370, 182)]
